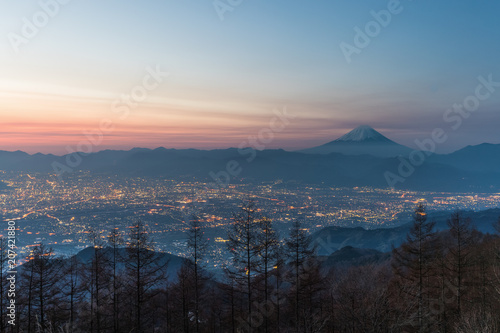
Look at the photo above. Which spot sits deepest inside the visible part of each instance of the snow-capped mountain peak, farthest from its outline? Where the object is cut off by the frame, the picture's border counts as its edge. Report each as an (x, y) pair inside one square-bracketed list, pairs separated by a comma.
[(363, 133), (362, 140)]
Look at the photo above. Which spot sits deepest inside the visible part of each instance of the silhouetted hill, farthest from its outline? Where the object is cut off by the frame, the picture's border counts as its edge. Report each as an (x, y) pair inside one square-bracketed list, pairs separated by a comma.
[(351, 256), (174, 262), (480, 158), (482, 220), (330, 239)]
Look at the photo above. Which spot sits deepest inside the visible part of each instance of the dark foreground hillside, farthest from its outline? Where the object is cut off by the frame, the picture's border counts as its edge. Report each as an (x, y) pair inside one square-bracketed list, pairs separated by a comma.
[(446, 281)]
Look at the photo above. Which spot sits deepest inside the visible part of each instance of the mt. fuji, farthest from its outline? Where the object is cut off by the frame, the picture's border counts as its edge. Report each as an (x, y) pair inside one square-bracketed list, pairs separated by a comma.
[(362, 140), (363, 133)]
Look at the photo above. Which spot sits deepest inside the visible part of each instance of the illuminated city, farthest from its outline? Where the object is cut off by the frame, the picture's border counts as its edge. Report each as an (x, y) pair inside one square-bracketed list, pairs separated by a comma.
[(60, 212)]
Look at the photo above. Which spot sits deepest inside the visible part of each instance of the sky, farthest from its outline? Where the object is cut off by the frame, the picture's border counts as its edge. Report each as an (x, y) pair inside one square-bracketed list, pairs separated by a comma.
[(69, 71)]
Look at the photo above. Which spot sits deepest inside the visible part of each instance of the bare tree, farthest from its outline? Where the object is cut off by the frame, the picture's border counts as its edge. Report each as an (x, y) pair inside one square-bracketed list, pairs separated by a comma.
[(244, 246), (269, 254), (301, 252), (145, 271), (73, 290), (412, 261), (47, 272), (474, 321), (97, 275), (197, 245), (460, 252), (115, 239), (27, 285), (361, 298)]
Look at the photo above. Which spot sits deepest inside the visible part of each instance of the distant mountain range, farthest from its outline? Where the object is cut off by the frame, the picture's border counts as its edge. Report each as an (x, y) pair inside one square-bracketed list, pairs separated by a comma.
[(334, 238), (361, 158), (363, 140)]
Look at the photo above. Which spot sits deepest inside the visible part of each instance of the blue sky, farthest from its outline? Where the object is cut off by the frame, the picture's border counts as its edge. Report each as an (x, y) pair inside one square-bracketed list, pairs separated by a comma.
[(226, 76)]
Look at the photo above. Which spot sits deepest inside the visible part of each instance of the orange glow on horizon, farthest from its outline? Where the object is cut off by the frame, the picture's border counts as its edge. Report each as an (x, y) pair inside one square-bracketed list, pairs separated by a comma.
[(49, 124)]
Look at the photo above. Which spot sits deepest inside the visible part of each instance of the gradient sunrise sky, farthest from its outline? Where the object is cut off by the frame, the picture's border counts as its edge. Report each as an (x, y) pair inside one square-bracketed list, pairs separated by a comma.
[(227, 76)]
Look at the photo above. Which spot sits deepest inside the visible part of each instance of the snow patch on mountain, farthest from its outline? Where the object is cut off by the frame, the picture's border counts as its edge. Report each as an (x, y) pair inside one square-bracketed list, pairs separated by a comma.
[(363, 133)]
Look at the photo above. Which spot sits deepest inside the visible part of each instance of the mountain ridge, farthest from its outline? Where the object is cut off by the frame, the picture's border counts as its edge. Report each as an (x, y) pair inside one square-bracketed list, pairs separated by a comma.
[(471, 169), (440, 172), (363, 140)]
